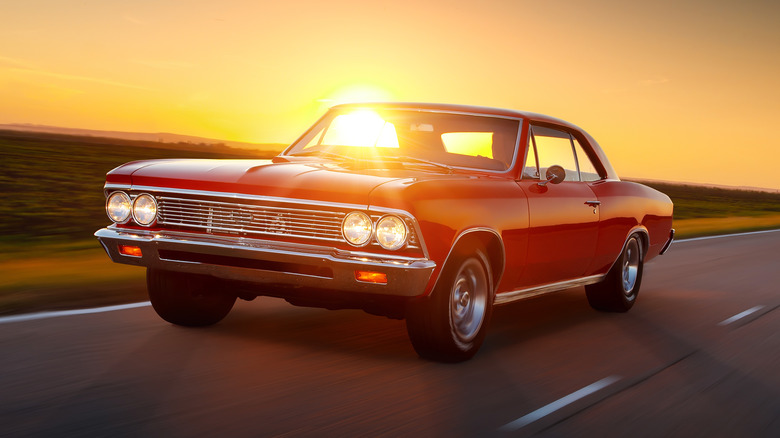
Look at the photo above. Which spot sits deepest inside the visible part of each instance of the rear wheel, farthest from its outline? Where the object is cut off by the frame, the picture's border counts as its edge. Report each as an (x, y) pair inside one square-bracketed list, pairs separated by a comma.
[(187, 299), (619, 289), (450, 324)]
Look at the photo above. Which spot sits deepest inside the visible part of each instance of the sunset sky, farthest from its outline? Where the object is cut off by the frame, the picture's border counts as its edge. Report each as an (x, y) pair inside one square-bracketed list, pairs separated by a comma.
[(674, 90)]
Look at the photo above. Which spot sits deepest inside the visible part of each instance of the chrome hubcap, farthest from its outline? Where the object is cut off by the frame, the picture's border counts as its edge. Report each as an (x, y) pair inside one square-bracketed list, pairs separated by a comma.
[(468, 300), (630, 266)]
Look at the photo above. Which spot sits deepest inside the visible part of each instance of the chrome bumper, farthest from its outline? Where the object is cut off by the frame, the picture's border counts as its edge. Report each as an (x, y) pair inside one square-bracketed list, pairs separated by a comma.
[(268, 263), (668, 242)]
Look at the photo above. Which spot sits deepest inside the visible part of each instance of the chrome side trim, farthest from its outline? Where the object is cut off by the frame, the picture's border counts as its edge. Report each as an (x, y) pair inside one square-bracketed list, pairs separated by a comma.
[(508, 297)]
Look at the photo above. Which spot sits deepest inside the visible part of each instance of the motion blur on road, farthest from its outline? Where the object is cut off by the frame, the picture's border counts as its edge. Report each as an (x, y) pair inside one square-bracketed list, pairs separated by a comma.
[(698, 355)]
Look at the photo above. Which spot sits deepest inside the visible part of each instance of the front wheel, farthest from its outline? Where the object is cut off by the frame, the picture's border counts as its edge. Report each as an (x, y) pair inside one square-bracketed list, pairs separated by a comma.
[(187, 299), (619, 289), (450, 324)]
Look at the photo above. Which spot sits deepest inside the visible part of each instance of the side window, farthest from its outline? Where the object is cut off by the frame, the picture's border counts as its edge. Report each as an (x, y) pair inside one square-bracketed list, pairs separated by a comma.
[(554, 147), (588, 171)]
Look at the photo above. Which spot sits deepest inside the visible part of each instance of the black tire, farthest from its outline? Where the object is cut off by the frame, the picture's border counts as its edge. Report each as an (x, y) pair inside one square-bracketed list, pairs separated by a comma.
[(187, 299), (450, 324), (620, 288)]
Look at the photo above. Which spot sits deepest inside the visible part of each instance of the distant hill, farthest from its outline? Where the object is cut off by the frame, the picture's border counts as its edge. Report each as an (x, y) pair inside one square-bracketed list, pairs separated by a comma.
[(652, 182), (157, 137)]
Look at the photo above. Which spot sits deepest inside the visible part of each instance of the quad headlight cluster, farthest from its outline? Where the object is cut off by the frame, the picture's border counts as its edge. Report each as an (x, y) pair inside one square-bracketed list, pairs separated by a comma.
[(143, 210), (390, 231)]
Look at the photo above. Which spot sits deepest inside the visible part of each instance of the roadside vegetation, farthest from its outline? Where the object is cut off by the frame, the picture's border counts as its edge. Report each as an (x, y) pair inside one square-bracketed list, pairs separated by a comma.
[(51, 202)]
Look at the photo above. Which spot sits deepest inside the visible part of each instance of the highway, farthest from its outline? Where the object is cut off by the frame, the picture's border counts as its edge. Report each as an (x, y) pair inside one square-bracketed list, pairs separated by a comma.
[(698, 355)]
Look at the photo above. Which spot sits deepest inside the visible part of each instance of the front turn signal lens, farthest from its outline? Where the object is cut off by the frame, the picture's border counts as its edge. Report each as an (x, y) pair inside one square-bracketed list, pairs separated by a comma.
[(118, 207), (371, 277), (130, 250), (145, 210)]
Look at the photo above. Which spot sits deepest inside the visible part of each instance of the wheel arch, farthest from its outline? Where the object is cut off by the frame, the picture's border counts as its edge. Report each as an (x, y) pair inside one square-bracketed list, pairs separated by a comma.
[(487, 239), (644, 239)]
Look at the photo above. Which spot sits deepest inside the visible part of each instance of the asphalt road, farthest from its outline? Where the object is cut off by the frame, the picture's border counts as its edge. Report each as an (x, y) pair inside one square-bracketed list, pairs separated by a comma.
[(699, 355)]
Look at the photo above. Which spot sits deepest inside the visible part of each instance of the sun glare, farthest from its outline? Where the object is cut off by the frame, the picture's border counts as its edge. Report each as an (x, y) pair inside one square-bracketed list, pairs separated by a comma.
[(363, 128), (357, 93)]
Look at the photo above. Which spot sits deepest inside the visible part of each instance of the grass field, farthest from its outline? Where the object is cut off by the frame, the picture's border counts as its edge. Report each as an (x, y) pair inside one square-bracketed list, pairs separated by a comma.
[(51, 202)]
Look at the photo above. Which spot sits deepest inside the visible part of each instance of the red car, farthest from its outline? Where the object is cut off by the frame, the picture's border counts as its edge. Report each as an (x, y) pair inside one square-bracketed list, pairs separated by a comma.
[(432, 213)]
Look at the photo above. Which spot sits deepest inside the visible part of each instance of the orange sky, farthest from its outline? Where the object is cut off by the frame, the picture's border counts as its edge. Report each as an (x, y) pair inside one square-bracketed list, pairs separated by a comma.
[(675, 90)]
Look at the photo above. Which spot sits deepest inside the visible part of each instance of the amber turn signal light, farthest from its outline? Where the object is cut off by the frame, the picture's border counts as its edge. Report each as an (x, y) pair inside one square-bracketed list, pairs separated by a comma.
[(371, 277), (130, 250)]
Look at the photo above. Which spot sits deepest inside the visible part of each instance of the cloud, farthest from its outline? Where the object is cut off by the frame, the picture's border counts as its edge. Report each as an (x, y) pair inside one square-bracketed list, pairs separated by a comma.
[(134, 20), (163, 65), (15, 62), (78, 78), (653, 81)]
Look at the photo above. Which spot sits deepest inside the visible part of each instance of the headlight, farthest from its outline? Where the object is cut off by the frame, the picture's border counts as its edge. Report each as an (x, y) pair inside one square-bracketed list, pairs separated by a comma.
[(357, 228), (391, 232), (144, 209), (118, 207)]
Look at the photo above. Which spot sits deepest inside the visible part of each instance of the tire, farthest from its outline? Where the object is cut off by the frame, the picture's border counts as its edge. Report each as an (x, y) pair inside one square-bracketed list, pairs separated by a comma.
[(450, 324), (619, 289), (187, 299)]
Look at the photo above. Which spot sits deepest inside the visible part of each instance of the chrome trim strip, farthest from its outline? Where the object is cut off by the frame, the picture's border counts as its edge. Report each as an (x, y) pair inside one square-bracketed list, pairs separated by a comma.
[(520, 294), (248, 197), (250, 243)]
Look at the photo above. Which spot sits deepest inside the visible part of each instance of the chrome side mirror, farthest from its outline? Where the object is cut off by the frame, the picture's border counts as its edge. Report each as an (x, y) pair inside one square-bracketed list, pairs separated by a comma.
[(555, 174)]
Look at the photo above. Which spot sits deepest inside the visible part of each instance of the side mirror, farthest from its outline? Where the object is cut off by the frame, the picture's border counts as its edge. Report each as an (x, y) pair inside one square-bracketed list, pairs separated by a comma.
[(555, 174)]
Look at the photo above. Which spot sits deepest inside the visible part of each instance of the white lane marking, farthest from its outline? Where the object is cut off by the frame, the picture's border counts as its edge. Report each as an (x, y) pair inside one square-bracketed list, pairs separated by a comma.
[(693, 239), (740, 315), (45, 315), (558, 404)]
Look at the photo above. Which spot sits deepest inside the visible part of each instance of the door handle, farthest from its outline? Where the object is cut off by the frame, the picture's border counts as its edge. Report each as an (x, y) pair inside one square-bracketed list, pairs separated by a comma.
[(593, 203)]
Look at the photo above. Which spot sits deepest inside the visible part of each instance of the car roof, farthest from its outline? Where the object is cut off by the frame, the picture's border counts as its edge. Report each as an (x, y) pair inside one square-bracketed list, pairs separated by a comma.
[(473, 109)]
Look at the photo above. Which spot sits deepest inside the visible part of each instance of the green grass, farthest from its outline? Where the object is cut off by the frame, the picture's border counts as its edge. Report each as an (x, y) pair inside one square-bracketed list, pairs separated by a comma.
[(51, 202), (692, 202)]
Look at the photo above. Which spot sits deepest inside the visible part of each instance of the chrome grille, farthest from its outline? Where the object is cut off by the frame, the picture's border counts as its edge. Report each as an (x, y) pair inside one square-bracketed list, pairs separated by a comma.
[(248, 219), (244, 219)]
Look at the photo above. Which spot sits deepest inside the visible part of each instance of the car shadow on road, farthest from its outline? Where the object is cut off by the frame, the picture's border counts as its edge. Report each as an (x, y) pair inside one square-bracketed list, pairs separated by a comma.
[(353, 332), (524, 320)]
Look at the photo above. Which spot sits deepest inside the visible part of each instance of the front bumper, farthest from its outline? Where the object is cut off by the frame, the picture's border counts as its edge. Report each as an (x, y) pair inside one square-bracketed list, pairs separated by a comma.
[(268, 264)]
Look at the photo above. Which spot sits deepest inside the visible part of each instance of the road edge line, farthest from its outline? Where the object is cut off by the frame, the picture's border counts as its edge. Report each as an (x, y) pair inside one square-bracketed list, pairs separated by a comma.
[(719, 236), (59, 313), (558, 404)]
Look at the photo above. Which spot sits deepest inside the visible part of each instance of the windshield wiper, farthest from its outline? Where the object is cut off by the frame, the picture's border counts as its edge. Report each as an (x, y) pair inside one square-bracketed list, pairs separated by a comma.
[(322, 154), (406, 158)]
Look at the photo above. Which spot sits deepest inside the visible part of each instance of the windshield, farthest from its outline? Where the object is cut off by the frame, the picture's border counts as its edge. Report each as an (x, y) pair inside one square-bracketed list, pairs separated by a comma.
[(449, 139)]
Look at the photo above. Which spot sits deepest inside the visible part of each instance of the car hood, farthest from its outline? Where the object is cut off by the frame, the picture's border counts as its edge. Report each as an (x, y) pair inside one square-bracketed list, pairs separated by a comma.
[(319, 181)]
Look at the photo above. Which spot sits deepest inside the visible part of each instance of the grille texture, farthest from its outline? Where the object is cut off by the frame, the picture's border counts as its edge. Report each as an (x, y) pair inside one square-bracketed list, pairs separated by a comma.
[(243, 219)]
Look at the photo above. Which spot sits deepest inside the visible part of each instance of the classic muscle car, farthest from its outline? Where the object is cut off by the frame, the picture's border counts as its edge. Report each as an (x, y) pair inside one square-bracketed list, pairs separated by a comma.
[(428, 212)]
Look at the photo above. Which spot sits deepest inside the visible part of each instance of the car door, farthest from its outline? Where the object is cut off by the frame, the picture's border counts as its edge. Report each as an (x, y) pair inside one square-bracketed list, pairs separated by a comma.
[(563, 217)]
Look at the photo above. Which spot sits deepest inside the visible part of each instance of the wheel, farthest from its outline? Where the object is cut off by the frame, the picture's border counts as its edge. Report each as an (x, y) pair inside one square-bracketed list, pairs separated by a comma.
[(450, 324), (187, 299), (619, 289)]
